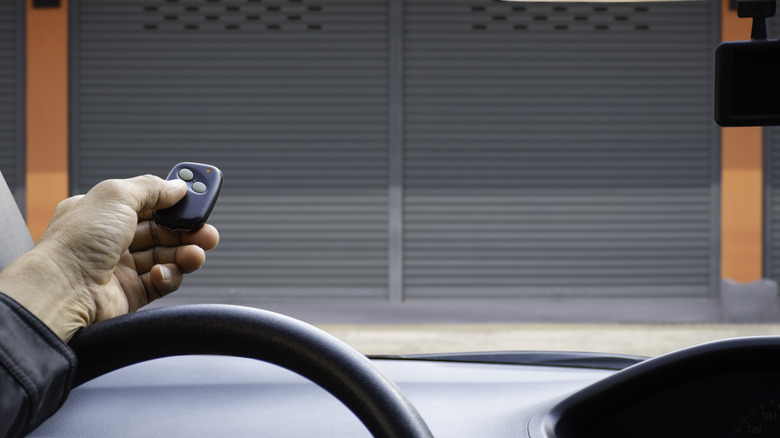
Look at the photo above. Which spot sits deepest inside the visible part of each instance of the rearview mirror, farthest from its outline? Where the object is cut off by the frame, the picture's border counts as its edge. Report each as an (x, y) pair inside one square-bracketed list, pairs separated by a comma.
[(747, 73), (747, 83)]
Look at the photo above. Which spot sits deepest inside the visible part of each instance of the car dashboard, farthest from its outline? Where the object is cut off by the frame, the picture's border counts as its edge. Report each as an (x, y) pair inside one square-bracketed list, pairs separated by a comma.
[(226, 396), (727, 389)]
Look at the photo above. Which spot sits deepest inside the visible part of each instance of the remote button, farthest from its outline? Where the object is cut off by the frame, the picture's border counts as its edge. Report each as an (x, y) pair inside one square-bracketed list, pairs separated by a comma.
[(186, 174), (199, 187)]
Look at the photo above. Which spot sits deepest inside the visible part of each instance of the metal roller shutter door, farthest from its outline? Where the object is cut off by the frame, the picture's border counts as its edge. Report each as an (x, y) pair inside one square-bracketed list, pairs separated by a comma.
[(288, 98), (12, 97), (513, 184), (772, 204), (772, 188), (559, 150)]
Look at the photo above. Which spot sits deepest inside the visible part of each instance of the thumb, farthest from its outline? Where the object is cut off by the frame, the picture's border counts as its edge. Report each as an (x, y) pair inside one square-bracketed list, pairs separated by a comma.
[(150, 192), (142, 193)]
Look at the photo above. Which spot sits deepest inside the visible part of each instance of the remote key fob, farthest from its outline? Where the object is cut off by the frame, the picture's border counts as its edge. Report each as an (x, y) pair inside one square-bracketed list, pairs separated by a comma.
[(204, 183)]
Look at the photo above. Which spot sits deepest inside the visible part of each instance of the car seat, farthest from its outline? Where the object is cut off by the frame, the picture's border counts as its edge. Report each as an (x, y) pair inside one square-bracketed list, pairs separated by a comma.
[(15, 238)]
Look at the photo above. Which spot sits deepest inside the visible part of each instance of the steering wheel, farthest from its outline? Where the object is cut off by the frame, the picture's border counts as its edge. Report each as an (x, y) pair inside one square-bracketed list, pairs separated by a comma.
[(252, 333)]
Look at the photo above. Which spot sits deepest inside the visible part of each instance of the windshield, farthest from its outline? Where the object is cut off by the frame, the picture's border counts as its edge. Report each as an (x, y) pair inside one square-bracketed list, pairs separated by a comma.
[(423, 176)]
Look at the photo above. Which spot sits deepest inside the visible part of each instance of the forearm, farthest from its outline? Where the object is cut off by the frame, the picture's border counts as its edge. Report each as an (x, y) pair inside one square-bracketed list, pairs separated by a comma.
[(36, 370)]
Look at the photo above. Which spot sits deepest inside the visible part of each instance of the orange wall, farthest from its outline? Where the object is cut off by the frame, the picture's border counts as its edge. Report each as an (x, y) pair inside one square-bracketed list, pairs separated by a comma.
[(47, 113), (742, 184)]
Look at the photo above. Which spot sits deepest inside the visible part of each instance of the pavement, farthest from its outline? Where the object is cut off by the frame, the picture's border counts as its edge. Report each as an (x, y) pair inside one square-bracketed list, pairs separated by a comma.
[(643, 327), (634, 339)]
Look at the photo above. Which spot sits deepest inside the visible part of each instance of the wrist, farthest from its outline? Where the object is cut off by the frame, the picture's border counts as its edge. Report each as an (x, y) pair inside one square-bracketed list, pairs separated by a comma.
[(38, 283)]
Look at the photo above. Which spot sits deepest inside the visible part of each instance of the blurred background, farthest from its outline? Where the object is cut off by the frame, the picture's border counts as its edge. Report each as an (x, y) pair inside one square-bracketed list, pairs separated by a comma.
[(511, 174)]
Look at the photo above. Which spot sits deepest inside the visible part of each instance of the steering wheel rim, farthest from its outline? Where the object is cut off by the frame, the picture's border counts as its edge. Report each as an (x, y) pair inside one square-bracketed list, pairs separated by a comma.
[(251, 333)]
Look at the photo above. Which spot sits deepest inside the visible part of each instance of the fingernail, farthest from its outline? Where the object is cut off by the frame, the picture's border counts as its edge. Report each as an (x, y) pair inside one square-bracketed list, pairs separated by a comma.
[(166, 273)]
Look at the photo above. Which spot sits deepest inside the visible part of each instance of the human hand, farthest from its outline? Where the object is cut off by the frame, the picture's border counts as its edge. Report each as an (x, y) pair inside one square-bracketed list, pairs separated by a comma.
[(103, 256)]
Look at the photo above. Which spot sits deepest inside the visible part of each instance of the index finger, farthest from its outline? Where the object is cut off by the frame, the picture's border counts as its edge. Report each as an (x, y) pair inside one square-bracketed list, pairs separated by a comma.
[(148, 235)]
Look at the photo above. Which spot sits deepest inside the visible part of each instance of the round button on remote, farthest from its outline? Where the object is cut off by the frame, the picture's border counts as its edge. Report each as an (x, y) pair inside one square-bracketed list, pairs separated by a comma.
[(186, 174), (199, 187)]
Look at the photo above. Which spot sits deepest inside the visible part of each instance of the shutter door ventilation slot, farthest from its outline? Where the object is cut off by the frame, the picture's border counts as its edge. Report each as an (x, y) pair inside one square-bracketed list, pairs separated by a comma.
[(500, 17), (289, 15)]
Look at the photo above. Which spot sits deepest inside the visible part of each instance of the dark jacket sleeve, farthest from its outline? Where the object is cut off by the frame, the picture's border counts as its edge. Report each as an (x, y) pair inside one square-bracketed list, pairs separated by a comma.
[(36, 370)]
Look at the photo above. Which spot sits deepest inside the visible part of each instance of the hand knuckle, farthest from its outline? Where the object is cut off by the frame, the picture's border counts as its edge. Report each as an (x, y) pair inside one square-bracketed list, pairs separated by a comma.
[(109, 188)]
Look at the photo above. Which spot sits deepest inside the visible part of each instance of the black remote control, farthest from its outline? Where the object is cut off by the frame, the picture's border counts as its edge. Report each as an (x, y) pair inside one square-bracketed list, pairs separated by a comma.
[(204, 183)]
